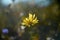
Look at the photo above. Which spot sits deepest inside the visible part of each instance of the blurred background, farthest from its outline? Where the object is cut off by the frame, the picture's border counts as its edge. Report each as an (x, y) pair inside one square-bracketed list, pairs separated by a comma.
[(13, 11)]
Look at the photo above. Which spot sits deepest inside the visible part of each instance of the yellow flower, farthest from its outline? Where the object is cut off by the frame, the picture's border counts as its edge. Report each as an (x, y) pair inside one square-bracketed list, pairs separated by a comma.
[(30, 20)]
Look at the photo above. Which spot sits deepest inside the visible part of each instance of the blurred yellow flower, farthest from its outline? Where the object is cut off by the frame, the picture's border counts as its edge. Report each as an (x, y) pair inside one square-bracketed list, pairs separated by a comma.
[(30, 20)]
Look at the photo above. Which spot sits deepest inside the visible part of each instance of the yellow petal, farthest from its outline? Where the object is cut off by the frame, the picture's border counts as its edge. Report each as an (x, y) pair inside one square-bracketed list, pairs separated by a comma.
[(33, 16), (30, 17), (26, 24), (23, 23), (35, 20), (27, 19)]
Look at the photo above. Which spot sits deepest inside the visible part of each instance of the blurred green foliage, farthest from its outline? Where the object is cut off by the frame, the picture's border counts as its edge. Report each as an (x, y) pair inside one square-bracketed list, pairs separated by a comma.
[(47, 16)]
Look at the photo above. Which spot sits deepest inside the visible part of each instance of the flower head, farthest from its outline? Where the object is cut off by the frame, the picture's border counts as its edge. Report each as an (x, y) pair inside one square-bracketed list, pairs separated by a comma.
[(30, 20), (4, 31)]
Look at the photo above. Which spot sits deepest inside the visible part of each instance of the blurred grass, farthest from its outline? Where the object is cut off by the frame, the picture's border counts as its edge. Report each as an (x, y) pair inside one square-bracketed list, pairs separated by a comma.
[(47, 16)]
